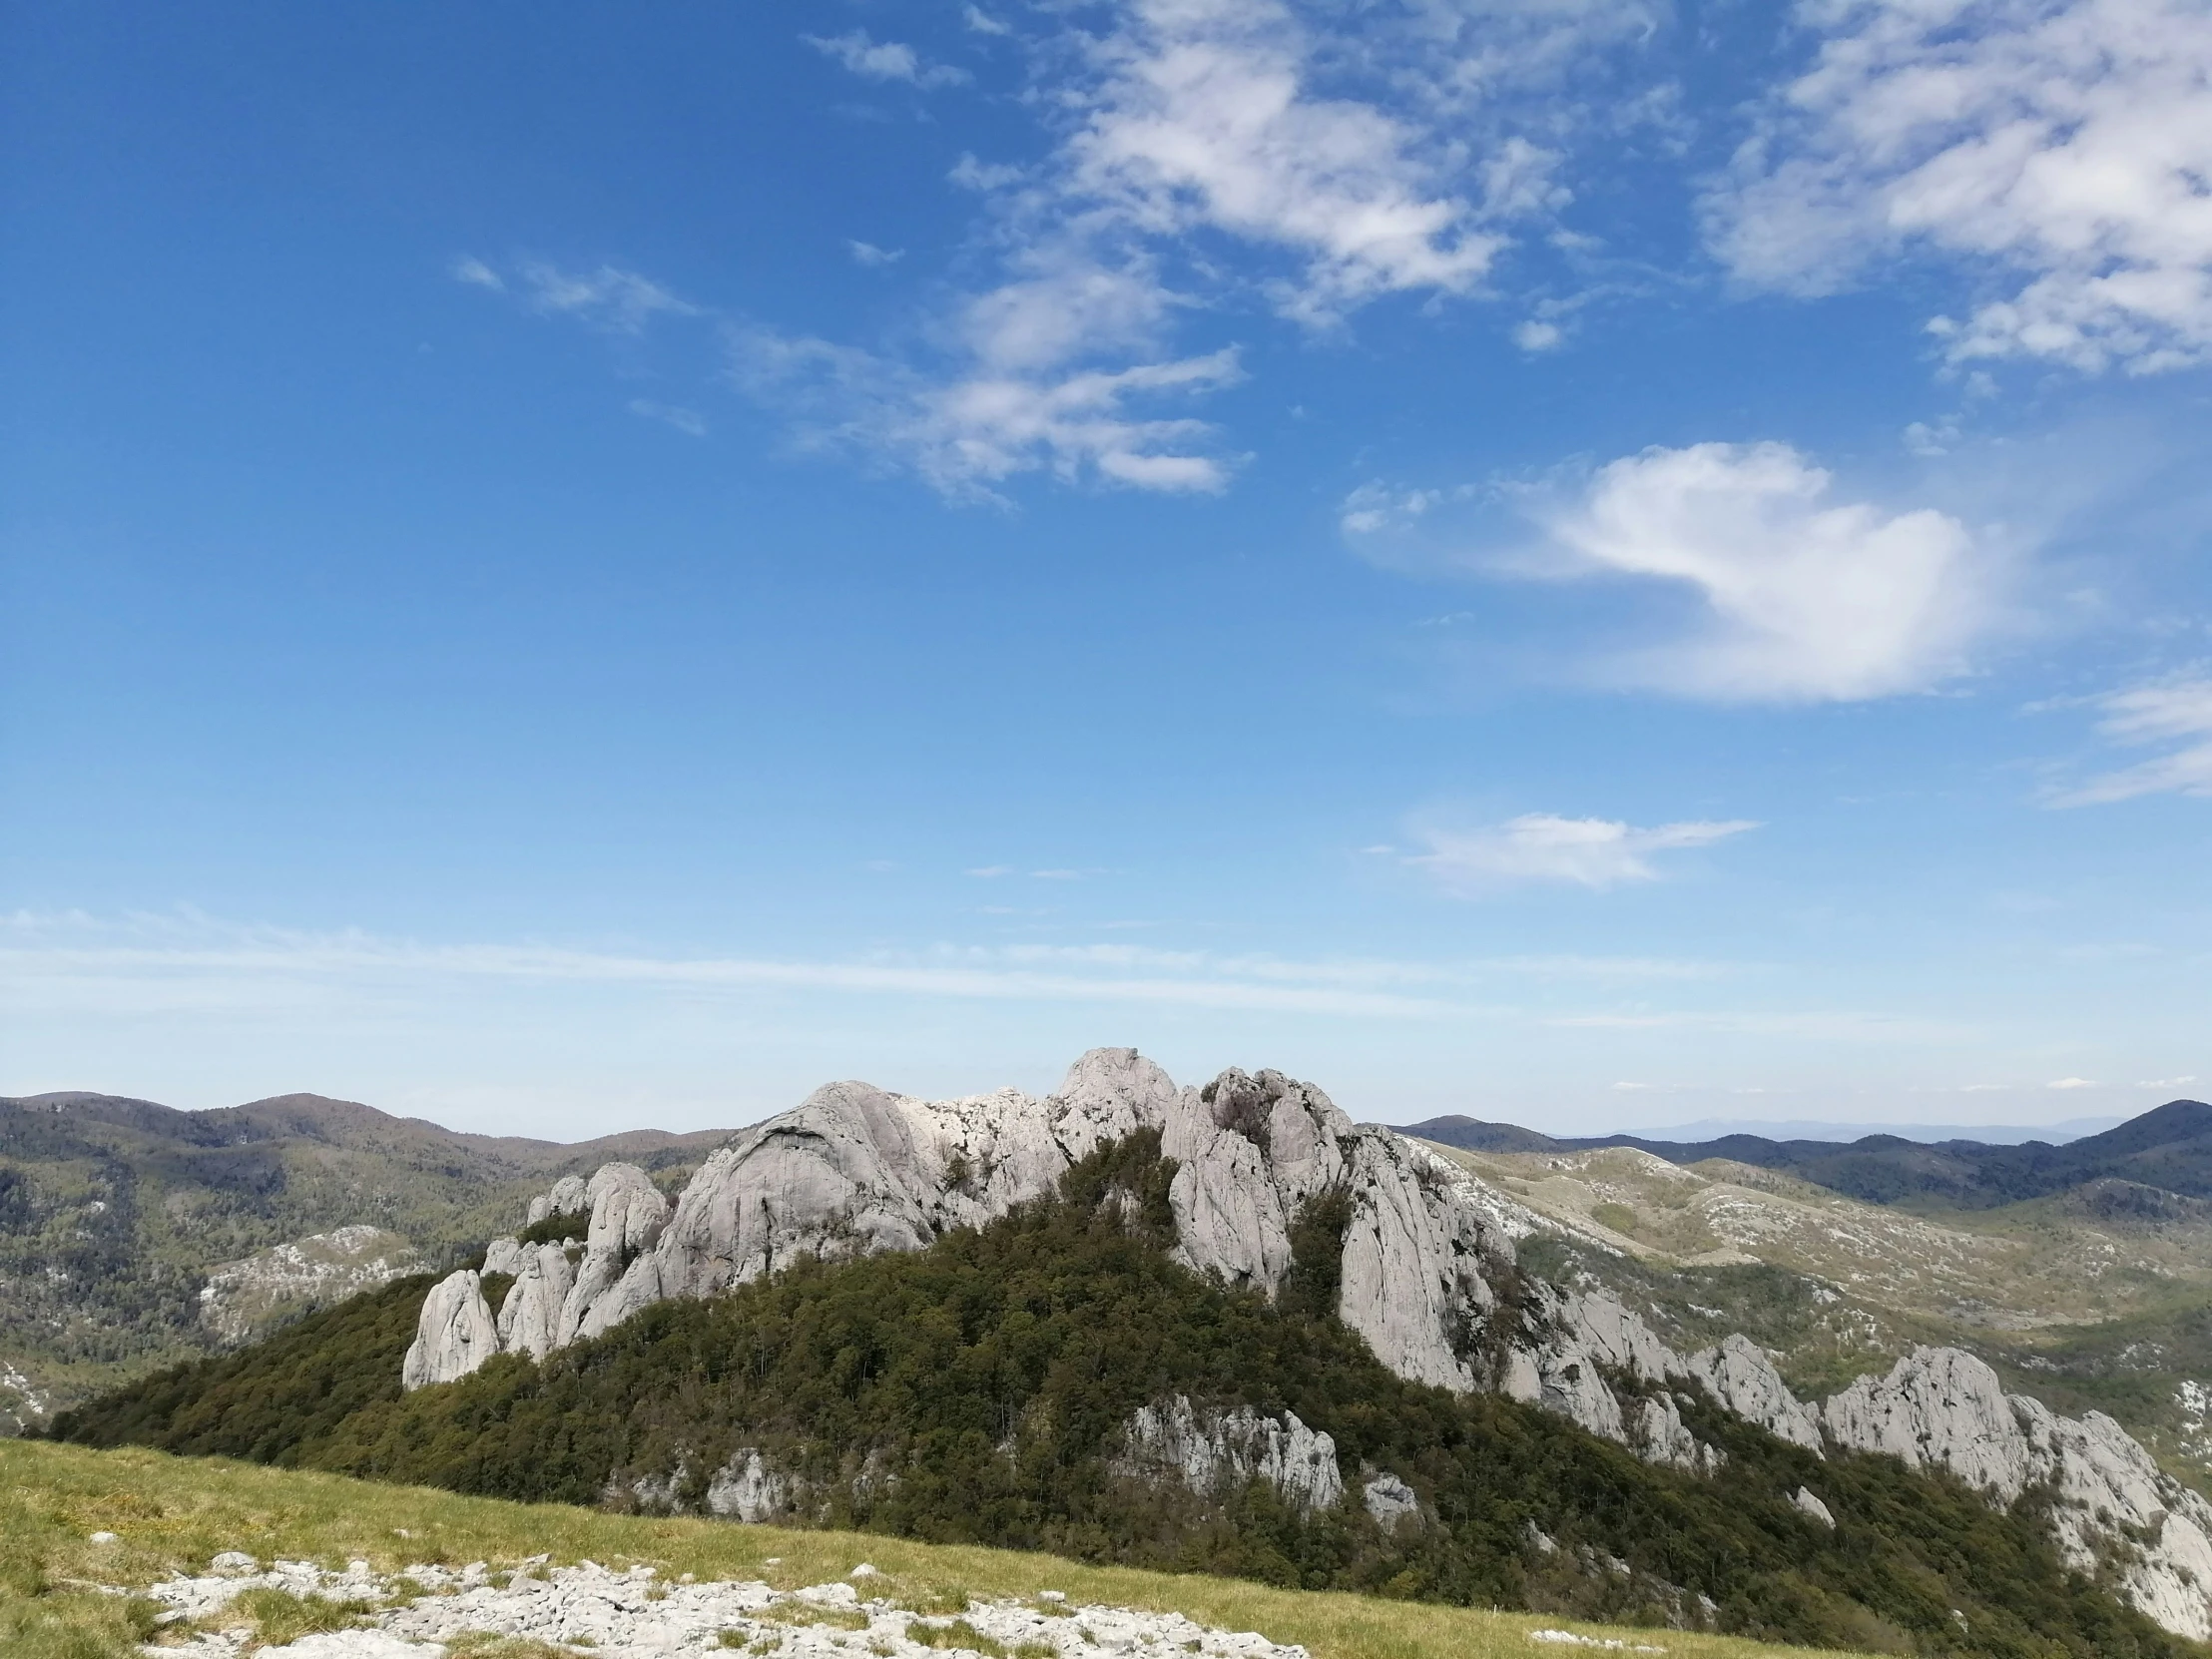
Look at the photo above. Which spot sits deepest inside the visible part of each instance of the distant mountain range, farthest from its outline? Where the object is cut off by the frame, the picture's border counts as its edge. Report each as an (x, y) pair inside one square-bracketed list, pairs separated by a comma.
[(1989, 1134), (2169, 1147)]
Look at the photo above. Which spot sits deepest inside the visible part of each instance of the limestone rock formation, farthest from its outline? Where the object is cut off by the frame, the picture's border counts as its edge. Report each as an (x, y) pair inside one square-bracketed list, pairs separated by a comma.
[(454, 1333), (1427, 1247), (747, 1489), (1210, 1451), (1738, 1376), (1942, 1407), (1812, 1508), (530, 1318), (1389, 1500)]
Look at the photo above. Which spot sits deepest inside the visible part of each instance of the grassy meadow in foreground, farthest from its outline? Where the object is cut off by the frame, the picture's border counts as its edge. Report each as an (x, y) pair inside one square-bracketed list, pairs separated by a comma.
[(173, 1513)]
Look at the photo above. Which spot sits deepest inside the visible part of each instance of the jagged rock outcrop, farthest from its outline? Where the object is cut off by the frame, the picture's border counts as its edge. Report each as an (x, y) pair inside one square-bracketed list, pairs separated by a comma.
[(1942, 1408), (1425, 1251), (1211, 1451), (566, 1198), (747, 1489), (1389, 1500), (855, 1169), (530, 1318), (1738, 1375), (1812, 1509), (453, 1334)]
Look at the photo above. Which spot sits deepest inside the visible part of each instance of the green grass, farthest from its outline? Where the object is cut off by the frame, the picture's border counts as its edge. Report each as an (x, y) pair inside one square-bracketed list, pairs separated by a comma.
[(176, 1515)]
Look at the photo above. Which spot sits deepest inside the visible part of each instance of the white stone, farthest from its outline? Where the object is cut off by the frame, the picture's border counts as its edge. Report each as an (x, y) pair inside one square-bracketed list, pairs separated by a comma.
[(1738, 1376), (1212, 1450), (1812, 1508), (454, 1333), (1389, 1501), (745, 1489)]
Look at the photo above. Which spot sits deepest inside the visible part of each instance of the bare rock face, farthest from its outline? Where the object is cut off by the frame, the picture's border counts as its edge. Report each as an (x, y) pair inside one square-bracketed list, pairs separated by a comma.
[(530, 1318), (1942, 1407), (1738, 1376), (1390, 1501), (566, 1198), (1812, 1509), (747, 1489), (1938, 1407), (453, 1334), (1211, 1451), (1425, 1247)]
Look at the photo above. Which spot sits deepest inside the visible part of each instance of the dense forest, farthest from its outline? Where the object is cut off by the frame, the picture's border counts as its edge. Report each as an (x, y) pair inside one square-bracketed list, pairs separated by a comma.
[(978, 1391)]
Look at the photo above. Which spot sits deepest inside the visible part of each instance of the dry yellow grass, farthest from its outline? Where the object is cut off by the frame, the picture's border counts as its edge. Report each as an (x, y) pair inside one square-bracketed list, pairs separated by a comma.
[(172, 1513)]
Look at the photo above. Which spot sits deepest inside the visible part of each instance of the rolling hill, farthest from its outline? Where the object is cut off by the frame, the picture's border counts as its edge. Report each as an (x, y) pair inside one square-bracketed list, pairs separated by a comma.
[(2169, 1147), (115, 1213)]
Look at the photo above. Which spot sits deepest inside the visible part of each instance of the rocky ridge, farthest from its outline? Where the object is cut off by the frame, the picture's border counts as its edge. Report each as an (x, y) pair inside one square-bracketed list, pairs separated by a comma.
[(1426, 1275)]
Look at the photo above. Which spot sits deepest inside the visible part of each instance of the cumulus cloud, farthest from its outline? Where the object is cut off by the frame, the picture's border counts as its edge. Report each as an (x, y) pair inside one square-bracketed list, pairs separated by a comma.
[(1207, 118), (884, 60), (1803, 597), (2062, 146), (2176, 711), (1592, 853)]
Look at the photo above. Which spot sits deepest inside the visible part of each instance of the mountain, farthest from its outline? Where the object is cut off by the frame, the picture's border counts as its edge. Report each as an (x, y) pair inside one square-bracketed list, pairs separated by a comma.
[(116, 1215), (1219, 1327), (2169, 1147)]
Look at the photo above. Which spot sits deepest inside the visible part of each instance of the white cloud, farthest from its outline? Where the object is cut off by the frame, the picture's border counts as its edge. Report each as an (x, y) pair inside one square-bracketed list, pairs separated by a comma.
[(2073, 1083), (970, 434), (1206, 118), (868, 254), (1803, 598), (2167, 1082), (688, 421), (2062, 146), (1591, 853), (478, 275), (884, 60), (1534, 335), (982, 22), (2177, 711), (608, 297), (1184, 126)]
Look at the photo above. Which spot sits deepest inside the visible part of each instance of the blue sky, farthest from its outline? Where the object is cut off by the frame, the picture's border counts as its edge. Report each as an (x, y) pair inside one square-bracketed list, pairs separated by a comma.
[(1587, 562)]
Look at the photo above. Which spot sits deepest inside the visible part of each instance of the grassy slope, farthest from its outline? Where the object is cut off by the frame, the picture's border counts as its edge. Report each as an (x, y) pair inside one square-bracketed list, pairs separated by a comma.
[(174, 1514)]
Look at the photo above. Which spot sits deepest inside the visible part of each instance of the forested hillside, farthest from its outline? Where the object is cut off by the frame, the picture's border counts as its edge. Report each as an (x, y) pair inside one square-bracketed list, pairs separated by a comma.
[(113, 1212), (981, 1391)]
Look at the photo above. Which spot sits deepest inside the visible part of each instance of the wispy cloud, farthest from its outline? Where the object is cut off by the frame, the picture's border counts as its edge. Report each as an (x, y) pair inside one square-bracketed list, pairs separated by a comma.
[(1535, 847), (885, 59), (1184, 127), (868, 254), (688, 421), (606, 297), (2176, 712), (2063, 141)]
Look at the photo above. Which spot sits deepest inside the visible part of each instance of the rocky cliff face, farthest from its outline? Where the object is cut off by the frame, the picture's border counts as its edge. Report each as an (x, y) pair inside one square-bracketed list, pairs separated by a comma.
[(1945, 1409), (1426, 1277)]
